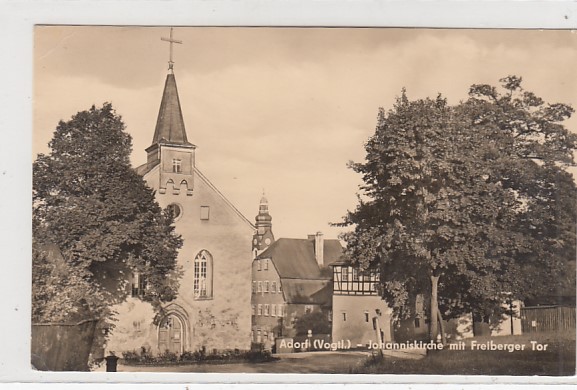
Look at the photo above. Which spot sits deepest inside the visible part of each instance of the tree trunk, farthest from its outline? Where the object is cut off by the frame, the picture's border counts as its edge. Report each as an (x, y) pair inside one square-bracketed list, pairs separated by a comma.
[(433, 323), (442, 327)]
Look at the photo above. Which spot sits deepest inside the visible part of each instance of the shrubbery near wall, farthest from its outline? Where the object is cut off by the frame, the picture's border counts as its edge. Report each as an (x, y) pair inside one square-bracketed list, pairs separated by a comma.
[(167, 358)]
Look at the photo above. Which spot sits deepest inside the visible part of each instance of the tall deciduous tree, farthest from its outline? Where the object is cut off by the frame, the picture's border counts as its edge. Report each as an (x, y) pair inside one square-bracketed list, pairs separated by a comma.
[(441, 212), (95, 223), (530, 149)]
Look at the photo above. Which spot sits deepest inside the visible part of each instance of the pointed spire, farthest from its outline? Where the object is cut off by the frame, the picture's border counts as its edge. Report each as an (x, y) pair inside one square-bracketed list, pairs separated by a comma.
[(170, 124)]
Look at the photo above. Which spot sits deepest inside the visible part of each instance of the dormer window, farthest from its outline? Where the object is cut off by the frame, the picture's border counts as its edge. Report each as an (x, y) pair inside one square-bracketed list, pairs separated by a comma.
[(176, 165)]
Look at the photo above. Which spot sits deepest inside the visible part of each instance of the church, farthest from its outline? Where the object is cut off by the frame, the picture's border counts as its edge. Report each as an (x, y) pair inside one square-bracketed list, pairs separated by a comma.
[(212, 309)]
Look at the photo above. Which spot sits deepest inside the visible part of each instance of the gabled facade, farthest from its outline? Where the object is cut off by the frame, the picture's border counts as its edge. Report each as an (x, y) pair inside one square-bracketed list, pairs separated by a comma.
[(212, 310)]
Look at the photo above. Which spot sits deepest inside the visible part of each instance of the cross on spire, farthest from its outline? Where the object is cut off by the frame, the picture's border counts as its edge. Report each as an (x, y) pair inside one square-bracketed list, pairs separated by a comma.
[(171, 41)]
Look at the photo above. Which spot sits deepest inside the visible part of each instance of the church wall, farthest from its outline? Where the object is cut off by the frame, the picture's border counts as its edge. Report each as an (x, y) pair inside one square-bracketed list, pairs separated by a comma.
[(135, 328), (222, 321)]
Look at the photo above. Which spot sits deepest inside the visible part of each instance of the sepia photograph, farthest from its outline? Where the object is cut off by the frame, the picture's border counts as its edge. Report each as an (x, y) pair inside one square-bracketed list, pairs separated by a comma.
[(294, 200)]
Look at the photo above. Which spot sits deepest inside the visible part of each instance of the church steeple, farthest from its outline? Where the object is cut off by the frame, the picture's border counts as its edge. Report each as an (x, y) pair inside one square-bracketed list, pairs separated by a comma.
[(263, 236), (170, 147), (170, 124)]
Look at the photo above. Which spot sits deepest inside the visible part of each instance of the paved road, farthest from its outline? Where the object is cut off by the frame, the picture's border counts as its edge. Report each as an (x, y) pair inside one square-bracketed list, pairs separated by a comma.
[(298, 363)]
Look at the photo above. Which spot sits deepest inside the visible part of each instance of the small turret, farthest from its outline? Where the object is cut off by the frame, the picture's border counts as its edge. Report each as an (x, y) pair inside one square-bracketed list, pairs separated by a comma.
[(263, 236)]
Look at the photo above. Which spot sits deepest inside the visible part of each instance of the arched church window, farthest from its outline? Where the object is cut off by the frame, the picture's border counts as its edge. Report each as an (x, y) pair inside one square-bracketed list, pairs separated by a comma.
[(203, 275)]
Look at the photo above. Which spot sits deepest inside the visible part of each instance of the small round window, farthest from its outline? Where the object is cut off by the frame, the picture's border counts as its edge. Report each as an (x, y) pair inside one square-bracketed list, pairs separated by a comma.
[(175, 210)]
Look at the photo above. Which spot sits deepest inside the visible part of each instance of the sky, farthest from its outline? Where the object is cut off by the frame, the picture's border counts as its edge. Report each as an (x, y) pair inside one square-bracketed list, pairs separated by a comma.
[(283, 109)]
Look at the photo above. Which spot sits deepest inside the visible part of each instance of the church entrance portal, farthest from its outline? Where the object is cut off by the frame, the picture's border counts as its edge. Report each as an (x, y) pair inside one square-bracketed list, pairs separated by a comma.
[(171, 334)]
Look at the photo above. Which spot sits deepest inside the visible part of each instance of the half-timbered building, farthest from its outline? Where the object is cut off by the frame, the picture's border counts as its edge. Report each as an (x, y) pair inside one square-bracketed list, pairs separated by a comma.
[(359, 313)]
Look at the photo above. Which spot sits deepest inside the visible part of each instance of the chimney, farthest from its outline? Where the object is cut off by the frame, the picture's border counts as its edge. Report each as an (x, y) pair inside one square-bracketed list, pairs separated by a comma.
[(319, 249)]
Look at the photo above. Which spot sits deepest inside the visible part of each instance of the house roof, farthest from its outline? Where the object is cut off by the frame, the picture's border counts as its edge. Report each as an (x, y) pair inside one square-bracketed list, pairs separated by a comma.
[(295, 258), (306, 291), (170, 124), (333, 252)]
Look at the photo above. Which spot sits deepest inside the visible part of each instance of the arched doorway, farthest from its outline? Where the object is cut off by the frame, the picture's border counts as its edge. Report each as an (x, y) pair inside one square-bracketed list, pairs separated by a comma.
[(171, 335)]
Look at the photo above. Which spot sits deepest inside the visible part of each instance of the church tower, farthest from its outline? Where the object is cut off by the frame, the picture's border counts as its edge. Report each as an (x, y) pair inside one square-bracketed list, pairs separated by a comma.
[(170, 147), (263, 236)]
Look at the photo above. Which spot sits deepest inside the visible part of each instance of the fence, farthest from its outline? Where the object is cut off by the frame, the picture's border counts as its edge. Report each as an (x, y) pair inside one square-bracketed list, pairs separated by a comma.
[(547, 318)]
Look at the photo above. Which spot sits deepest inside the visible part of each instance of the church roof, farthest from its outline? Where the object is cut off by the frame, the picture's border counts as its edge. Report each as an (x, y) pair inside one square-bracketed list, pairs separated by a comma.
[(295, 258), (170, 124)]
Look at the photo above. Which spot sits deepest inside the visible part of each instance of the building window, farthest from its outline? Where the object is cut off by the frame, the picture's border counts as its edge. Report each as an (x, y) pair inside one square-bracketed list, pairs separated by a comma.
[(202, 282), (279, 287), (266, 307), (266, 264), (273, 310), (138, 285), (417, 322), (253, 287), (344, 316), (345, 274), (176, 165), (266, 286), (259, 287), (366, 316), (273, 287), (259, 309), (258, 265), (174, 210), (308, 309), (258, 339), (253, 310), (204, 213)]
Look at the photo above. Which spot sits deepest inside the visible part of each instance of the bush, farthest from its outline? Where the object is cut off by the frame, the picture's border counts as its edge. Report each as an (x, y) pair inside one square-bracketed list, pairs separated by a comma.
[(258, 356), (131, 356), (167, 357), (192, 357), (200, 356)]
